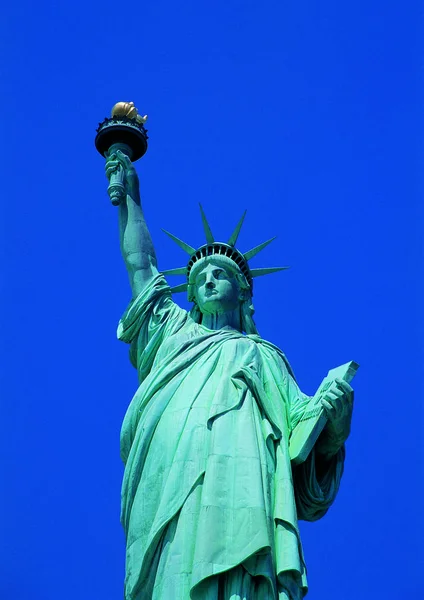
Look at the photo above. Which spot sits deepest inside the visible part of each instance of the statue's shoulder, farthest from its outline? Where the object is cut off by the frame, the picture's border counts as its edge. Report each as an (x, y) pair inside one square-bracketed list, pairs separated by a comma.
[(271, 348)]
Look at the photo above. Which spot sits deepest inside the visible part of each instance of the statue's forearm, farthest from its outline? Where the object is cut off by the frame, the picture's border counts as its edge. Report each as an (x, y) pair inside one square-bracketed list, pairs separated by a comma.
[(136, 239), (136, 245)]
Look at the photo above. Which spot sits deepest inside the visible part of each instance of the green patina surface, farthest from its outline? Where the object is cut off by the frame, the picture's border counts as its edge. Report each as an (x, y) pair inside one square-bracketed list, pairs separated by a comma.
[(211, 498)]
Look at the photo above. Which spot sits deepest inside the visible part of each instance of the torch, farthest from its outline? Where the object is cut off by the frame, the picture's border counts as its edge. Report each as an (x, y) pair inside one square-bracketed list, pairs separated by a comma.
[(123, 131)]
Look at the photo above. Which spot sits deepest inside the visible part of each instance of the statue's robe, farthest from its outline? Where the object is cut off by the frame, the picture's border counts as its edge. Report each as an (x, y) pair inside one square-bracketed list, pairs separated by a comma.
[(208, 483)]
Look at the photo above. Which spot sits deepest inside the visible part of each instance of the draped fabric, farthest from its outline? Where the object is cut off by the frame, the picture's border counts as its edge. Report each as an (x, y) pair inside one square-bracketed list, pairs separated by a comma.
[(209, 498)]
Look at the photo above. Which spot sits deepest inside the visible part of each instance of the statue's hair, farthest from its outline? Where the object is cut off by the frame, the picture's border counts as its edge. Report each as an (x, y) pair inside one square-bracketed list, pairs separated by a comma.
[(247, 310)]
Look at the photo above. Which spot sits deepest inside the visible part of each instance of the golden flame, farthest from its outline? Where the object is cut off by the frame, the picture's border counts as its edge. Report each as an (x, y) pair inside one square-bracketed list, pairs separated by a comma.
[(127, 109)]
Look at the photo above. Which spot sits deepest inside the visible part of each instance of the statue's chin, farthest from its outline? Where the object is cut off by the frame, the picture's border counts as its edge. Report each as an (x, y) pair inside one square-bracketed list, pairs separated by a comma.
[(212, 309), (214, 306)]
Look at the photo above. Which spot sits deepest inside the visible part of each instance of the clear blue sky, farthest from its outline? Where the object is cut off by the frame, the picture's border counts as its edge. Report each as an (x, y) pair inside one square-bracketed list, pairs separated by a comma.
[(305, 113)]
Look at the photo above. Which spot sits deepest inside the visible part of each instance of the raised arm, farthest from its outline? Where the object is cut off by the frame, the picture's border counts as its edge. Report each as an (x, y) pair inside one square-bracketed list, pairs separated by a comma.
[(135, 240)]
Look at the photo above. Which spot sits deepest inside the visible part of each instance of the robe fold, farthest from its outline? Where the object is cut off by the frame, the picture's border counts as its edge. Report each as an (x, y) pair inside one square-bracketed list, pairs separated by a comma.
[(208, 484)]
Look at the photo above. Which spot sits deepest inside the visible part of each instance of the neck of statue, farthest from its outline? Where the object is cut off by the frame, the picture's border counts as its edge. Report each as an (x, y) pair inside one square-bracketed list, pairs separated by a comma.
[(220, 320)]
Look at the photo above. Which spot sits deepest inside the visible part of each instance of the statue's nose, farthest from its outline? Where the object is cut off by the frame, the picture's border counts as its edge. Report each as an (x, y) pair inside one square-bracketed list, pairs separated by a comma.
[(210, 284)]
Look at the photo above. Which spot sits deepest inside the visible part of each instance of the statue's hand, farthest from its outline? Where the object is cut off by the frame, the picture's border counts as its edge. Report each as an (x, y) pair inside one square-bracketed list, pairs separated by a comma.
[(338, 405), (119, 160)]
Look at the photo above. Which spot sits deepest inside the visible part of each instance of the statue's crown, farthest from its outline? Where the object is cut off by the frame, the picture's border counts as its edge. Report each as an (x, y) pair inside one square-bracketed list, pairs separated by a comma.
[(225, 250)]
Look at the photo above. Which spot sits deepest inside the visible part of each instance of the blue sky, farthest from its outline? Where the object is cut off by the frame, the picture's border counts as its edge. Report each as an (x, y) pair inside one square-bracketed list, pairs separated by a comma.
[(308, 115)]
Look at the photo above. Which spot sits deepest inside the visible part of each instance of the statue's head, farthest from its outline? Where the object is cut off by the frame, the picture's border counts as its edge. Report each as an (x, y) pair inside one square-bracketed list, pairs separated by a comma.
[(216, 286), (219, 278)]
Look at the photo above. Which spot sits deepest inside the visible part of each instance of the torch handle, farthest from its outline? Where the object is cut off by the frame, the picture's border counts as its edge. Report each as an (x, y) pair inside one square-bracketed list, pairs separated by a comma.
[(116, 189)]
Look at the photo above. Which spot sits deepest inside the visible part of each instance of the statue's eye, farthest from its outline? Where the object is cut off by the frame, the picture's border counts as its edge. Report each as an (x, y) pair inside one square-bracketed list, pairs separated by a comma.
[(219, 274), (201, 279)]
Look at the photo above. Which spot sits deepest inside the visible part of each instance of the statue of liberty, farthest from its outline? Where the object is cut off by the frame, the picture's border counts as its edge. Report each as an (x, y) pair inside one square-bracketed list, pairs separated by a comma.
[(210, 497)]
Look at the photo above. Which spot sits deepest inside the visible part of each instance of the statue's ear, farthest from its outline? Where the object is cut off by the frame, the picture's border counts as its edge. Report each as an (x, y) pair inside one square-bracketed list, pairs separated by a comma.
[(191, 293)]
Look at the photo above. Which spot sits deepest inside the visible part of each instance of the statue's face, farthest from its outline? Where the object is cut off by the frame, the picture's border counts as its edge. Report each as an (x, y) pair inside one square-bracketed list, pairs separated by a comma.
[(216, 289)]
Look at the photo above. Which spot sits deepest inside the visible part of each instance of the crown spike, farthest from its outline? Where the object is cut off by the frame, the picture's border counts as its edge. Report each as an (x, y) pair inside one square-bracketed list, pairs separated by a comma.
[(251, 253), (186, 247), (179, 271), (234, 236), (179, 288), (266, 271), (209, 235)]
